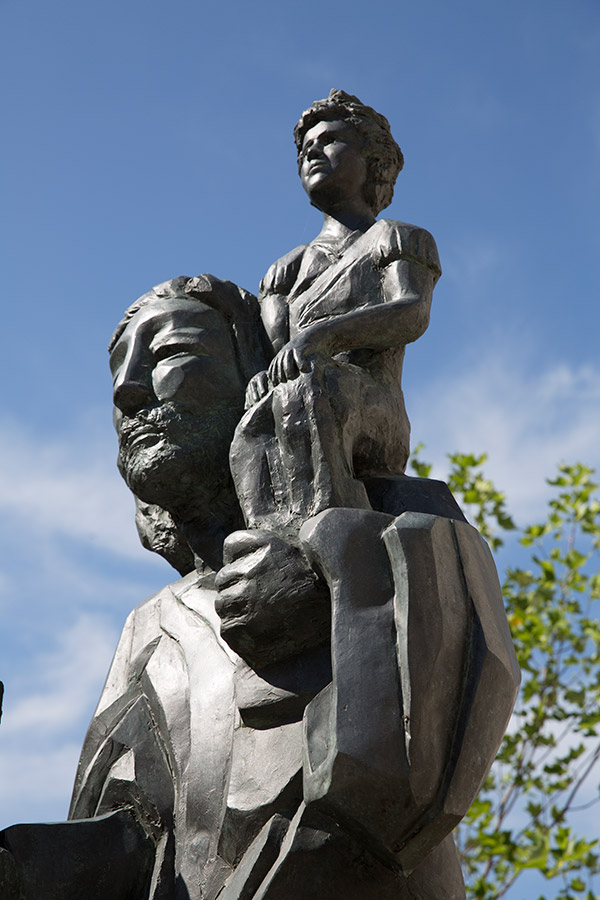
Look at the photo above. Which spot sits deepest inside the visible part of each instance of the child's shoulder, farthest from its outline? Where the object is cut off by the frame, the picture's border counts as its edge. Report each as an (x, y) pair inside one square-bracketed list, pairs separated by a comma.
[(282, 274), (400, 240)]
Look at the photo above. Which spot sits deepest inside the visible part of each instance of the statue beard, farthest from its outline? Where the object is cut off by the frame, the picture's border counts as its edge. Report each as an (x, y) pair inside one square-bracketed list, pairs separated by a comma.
[(178, 459)]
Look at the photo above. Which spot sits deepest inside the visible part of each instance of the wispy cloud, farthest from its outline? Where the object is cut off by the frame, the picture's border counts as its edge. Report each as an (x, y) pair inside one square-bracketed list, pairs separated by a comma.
[(69, 578), (526, 421), (46, 712), (55, 691), (66, 486)]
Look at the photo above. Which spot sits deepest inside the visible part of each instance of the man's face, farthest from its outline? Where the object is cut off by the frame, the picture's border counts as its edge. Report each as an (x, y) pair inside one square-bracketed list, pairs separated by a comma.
[(332, 168), (178, 396)]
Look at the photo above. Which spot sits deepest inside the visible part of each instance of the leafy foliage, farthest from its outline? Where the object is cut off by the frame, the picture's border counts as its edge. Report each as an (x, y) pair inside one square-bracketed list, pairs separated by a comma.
[(545, 767)]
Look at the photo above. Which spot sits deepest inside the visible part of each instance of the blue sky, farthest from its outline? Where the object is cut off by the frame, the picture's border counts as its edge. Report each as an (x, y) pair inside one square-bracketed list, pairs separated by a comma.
[(144, 140)]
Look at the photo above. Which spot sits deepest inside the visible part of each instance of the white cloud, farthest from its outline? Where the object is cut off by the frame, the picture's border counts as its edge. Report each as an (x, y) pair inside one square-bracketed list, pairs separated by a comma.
[(68, 487), (526, 422), (70, 576), (46, 713), (57, 690)]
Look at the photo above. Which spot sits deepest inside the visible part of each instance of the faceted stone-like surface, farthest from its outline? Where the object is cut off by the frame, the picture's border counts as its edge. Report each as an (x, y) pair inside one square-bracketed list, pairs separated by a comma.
[(424, 677)]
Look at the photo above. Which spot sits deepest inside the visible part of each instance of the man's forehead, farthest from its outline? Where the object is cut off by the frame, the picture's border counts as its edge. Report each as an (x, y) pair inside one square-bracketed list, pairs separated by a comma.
[(165, 313)]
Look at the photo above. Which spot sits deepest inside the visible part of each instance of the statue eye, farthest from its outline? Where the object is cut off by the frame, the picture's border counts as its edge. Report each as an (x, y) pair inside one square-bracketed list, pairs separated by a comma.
[(176, 348)]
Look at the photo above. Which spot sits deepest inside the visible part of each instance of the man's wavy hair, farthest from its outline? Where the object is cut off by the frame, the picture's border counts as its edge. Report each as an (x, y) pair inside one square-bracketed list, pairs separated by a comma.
[(382, 154)]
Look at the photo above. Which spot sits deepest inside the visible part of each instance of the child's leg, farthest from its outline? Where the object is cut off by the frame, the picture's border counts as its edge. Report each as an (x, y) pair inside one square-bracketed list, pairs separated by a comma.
[(291, 456)]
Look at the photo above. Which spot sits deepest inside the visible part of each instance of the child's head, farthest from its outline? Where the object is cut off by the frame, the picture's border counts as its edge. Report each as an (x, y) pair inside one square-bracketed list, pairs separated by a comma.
[(381, 152)]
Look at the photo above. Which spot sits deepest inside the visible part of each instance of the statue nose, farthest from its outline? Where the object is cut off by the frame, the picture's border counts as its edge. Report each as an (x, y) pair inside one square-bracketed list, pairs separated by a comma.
[(131, 396)]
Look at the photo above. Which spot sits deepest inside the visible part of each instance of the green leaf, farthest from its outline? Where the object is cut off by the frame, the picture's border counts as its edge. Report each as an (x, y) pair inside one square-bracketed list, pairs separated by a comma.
[(522, 819)]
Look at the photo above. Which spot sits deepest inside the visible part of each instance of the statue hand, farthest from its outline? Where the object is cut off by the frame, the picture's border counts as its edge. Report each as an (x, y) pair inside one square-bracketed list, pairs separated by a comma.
[(291, 360), (257, 388), (271, 603)]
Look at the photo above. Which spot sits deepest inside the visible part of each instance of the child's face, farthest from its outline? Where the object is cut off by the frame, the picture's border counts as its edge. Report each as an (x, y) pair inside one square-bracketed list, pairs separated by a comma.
[(333, 169)]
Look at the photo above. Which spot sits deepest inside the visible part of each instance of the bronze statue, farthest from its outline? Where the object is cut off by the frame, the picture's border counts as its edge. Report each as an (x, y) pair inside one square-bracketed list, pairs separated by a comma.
[(312, 707)]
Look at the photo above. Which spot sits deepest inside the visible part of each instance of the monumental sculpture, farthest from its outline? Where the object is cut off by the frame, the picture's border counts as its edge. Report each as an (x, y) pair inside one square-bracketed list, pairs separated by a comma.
[(311, 709)]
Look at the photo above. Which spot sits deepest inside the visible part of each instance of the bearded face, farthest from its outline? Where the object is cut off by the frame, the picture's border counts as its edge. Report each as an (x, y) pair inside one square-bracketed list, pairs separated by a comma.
[(166, 455), (178, 396)]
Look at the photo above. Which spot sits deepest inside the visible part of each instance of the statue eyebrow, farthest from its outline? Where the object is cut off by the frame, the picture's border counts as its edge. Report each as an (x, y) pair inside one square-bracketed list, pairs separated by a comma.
[(191, 334)]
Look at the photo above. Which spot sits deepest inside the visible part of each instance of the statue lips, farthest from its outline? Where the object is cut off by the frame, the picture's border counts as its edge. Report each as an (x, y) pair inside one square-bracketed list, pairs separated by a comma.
[(146, 436), (319, 165), (136, 432)]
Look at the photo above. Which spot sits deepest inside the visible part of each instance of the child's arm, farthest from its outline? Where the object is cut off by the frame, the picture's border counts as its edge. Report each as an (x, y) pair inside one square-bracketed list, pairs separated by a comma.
[(274, 312), (272, 296)]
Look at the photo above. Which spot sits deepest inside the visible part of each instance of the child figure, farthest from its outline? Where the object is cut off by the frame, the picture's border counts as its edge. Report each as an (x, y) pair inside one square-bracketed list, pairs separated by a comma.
[(329, 412)]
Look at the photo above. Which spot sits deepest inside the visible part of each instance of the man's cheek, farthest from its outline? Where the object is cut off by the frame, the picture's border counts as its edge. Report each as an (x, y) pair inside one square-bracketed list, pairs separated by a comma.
[(193, 382), (168, 380)]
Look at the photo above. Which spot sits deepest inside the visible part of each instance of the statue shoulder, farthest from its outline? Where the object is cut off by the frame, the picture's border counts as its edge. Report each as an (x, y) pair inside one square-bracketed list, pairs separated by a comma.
[(400, 240), (142, 627), (158, 616), (282, 274), (144, 624)]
